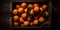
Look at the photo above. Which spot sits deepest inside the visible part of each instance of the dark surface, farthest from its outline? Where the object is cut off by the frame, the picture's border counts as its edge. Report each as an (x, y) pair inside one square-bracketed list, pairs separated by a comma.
[(56, 13), (4, 13)]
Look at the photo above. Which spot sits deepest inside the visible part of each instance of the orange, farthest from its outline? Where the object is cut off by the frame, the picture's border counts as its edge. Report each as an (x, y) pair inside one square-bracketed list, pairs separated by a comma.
[(29, 18), (41, 19), (24, 15), (20, 10), (21, 19), (25, 10), (41, 9), (17, 6), (24, 5), (16, 17), (44, 6), (36, 9), (35, 22), (46, 13), (30, 5), (15, 11), (32, 12), (26, 23), (31, 23), (36, 5), (16, 23)]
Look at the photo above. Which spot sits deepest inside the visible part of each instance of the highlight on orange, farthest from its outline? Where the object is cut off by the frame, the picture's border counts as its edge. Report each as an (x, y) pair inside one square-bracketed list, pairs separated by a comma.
[(25, 10), (21, 19), (20, 10), (26, 23)]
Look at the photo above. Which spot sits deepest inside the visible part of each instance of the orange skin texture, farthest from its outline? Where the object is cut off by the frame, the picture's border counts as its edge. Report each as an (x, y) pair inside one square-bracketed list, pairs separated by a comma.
[(16, 18), (44, 6), (16, 23), (26, 23), (24, 15), (24, 5), (20, 10), (15, 11), (17, 6), (25, 10), (41, 19), (30, 5), (21, 19), (35, 22), (36, 9), (32, 12), (41, 9), (35, 5)]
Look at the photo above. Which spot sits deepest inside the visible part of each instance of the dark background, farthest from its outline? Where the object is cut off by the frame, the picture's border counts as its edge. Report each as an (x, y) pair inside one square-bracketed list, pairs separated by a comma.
[(5, 13)]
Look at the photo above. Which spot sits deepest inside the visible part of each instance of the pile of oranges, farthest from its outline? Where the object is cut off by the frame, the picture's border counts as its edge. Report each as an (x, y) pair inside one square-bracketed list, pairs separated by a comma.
[(20, 17)]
